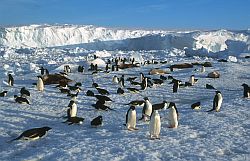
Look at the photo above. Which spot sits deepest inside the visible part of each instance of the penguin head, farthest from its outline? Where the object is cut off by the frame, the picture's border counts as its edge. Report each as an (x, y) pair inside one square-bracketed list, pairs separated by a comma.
[(244, 85), (132, 107), (99, 118), (217, 92), (47, 128), (94, 85), (145, 98), (171, 104)]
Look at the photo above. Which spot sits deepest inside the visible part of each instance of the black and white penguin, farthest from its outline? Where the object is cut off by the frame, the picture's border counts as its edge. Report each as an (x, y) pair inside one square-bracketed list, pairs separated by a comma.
[(33, 134), (67, 69), (147, 109), (133, 90), (121, 81), (24, 92), (100, 105), (173, 116), (10, 80), (131, 118), (217, 102), (96, 121), (196, 105), (144, 83), (136, 103), (72, 110), (191, 80), (120, 91), (102, 91), (21, 100), (40, 84), (160, 106), (74, 120), (246, 92), (115, 79), (176, 84), (103, 98), (3, 94), (208, 86), (42, 70), (155, 125)]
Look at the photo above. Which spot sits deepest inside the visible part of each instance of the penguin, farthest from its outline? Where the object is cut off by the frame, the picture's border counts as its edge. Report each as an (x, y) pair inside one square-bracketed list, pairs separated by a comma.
[(3, 94), (72, 111), (136, 103), (99, 105), (246, 92), (160, 106), (162, 77), (33, 134), (133, 90), (147, 109), (104, 98), (115, 79), (175, 85), (24, 92), (90, 93), (217, 102), (131, 119), (67, 69), (10, 80), (21, 100), (141, 77), (144, 84), (208, 86), (74, 120), (120, 91), (155, 125), (42, 70), (102, 91), (203, 69), (173, 115), (196, 105), (40, 84), (191, 80), (121, 81), (158, 81), (131, 79), (96, 121)]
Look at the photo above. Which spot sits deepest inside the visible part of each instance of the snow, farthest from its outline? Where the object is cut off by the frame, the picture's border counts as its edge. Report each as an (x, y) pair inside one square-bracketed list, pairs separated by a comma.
[(223, 135)]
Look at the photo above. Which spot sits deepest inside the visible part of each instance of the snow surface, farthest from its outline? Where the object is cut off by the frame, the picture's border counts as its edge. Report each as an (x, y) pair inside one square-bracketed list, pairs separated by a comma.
[(223, 135)]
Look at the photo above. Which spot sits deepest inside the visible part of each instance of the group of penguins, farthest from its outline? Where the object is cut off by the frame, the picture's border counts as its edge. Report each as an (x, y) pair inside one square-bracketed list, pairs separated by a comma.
[(149, 111)]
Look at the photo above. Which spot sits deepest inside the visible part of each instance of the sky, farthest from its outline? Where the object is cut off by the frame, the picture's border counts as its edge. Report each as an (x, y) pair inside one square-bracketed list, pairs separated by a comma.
[(146, 14)]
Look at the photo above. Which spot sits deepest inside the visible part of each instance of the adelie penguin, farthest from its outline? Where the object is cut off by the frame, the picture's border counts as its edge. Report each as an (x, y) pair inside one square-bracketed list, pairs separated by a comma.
[(246, 90), (40, 84), (10, 80), (72, 110), (196, 106), (33, 134), (173, 116), (176, 84), (24, 92), (155, 125), (100, 105), (21, 100), (74, 120), (131, 119), (115, 79), (147, 110), (96, 121), (120, 91), (3, 94), (136, 103), (217, 102)]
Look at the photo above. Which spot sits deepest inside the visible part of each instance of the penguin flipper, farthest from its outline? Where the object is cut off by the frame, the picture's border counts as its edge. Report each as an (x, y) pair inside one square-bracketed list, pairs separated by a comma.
[(19, 137)]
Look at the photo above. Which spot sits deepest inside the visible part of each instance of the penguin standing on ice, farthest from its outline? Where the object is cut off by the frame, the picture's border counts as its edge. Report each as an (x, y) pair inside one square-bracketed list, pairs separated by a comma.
[(39, 84), (147, 109), (131, 119), (115, 79), (144, 83), (246, 92), (173, 116), (10, 80), (72, 111), (155, 125), (191, 80), (176, 84), (217, 102), (121, 81), (33, 134)]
